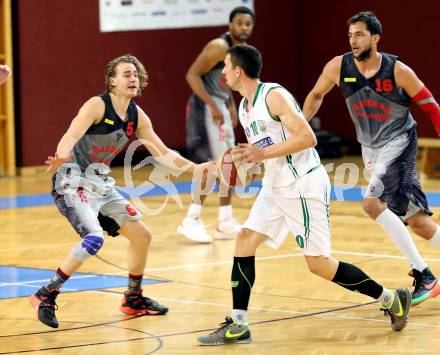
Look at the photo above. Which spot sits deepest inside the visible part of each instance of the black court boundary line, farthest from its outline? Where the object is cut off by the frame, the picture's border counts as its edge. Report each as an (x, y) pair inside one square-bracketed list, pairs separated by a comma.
[(159, 278), (157, 337), (149, 336), (253, 293), (76, 328)]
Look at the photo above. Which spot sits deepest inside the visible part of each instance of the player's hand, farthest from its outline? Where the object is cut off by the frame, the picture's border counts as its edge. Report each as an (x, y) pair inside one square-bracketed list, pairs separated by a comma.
[(248, 153), (5, 72), (217, 114), (55, 162)]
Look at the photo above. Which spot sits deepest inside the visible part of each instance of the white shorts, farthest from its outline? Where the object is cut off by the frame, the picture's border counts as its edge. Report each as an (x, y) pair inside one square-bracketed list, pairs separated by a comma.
[(301, 208), (220, 137)]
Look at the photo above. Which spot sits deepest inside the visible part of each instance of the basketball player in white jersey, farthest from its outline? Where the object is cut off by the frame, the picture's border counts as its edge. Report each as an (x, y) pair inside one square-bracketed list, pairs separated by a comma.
[(294, 197), (5, 73)]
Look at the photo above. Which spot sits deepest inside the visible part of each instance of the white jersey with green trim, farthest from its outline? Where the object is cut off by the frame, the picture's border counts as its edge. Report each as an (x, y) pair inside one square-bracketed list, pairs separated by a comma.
[(263, 130)]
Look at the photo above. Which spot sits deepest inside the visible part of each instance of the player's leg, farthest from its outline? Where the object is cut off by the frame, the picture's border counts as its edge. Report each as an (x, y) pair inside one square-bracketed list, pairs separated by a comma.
[(395, 303), (117, 216), (308, 218), (265, 224), (199, 151), (393, 180), (235, 329), (395, 229), (134, 302), (218, 139), (423, 225), (81, 213)]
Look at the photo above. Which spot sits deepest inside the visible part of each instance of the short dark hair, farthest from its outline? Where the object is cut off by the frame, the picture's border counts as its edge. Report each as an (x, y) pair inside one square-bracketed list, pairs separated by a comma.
[(241, 10), (370, 19), (247, 58)]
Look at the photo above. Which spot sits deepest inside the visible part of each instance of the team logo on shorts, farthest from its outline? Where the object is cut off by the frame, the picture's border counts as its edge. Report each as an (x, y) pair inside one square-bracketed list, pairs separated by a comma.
[(247, 131)]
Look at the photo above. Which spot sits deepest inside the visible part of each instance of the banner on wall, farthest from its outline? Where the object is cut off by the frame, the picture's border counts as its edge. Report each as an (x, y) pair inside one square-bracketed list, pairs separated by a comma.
[(134, 15)]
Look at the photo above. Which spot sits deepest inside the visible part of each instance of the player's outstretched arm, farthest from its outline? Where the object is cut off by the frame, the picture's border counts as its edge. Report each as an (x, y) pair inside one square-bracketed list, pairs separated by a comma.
[(326, 81), (157, 147), (91, 112), (166, 156), (414, 87)]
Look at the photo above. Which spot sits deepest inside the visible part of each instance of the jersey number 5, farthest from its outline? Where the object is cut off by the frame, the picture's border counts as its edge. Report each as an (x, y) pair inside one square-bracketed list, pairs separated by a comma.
[(130, 129), (384, 85)]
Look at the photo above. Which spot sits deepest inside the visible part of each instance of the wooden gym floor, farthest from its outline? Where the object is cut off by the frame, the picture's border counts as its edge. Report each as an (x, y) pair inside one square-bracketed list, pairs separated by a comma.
[(291, 310)]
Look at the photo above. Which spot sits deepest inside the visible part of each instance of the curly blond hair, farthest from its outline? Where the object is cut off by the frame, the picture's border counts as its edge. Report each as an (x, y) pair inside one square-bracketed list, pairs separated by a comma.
[(110, 71)]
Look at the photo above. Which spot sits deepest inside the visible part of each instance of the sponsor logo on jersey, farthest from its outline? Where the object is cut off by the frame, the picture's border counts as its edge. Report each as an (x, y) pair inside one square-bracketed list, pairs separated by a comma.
[(263, 143), (371, 109), (106, 149), (109, 121), (349, 80)]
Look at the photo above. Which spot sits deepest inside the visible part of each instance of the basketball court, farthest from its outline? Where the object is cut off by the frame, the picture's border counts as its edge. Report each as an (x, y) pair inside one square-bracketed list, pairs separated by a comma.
[(291, 311)]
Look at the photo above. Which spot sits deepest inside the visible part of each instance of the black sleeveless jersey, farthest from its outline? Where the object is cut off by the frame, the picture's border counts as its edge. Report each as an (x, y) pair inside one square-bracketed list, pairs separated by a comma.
[(378, 108), (214, 80), (103, 141)]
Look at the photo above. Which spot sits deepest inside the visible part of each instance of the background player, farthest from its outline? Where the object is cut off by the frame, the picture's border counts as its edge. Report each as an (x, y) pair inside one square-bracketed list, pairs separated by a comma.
[(211, 119)]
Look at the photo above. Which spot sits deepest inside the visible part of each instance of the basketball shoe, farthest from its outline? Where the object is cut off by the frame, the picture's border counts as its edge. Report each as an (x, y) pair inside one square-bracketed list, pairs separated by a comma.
[(193, 229), (399, 308), (228, 333), (135, 303), (44, 303), (227, 228), (425, 286)]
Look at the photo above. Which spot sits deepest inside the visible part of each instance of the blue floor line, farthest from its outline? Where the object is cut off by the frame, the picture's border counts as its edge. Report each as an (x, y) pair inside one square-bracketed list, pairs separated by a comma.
[(24, 281), (21, 201)]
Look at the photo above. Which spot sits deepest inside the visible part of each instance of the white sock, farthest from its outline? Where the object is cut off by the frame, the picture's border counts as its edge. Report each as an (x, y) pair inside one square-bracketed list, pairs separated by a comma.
[(239, 316), (224, 212), (397, 231), (436, 237), (386, 298), (194, 211)]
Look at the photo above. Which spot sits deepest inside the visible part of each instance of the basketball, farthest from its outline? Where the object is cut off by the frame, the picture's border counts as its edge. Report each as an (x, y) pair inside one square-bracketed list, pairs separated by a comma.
[(232, 173)]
